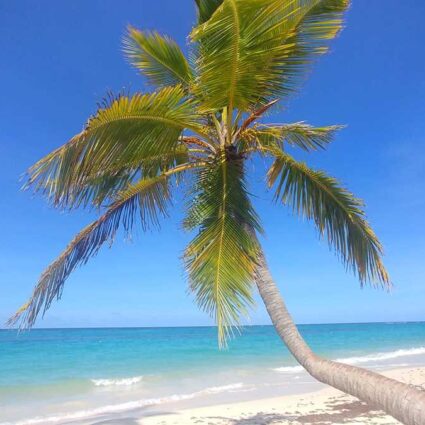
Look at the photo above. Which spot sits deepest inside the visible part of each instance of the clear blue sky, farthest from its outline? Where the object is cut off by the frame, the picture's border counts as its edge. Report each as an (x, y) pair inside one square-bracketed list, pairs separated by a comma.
[(59, 58)]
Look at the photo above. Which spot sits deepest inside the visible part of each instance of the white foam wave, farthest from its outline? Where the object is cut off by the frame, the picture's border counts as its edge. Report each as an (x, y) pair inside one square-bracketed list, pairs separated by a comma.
[(289, 369), (220, 389), (118, 408), (383, 356), (377, 357), (117, 382)]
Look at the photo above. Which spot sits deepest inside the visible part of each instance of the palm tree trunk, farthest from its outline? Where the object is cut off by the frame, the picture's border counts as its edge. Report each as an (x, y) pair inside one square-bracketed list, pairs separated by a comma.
[(404, 402)]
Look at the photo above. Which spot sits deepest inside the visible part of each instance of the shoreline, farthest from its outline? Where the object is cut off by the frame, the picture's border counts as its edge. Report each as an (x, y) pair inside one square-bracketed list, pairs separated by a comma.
[(321, 406), (324, 407), (177, 376)]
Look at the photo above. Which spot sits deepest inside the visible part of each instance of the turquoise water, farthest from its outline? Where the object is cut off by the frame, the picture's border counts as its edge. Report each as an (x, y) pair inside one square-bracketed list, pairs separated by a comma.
[(53, 375)]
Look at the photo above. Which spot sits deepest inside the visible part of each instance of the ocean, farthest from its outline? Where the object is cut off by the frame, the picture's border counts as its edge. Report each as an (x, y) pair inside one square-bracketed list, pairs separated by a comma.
[(84, 376)]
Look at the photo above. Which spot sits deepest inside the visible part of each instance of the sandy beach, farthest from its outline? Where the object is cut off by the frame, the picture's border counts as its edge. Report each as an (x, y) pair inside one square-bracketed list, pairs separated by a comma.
[(324, 407)]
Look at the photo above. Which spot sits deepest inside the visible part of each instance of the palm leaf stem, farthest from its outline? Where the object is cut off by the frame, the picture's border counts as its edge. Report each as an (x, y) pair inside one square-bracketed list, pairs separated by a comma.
[(198, 142), (253, 116)]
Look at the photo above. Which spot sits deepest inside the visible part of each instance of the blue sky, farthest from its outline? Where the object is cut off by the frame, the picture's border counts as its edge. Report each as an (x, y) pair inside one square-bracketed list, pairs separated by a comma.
[(59, 58)]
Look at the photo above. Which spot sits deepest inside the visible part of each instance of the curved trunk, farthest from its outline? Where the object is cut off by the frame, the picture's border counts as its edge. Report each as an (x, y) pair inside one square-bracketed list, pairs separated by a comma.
[(404, 402)]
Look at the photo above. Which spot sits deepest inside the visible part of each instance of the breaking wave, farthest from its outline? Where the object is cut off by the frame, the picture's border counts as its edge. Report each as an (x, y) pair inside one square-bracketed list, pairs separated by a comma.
[(383, 356), (363, 359), (117, 382), (118, 408)]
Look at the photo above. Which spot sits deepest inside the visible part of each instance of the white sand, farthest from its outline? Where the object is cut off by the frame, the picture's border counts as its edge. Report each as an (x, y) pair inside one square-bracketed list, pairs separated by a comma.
[(324, 407)]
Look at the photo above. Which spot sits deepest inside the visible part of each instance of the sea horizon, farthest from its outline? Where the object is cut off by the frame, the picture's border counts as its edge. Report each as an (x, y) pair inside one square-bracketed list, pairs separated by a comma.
[(388, 322)]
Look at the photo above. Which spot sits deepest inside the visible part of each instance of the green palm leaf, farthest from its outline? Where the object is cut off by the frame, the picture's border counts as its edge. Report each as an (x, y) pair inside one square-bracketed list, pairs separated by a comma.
[(309, 37), (252, 51), (298, 134), (220, 61), (334, 210), (221, 259), (157, 57), (106, 185), (130, 132)]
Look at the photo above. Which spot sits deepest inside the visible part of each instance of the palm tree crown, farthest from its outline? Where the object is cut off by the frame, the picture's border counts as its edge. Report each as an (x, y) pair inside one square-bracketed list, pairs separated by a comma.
[(196, 130)]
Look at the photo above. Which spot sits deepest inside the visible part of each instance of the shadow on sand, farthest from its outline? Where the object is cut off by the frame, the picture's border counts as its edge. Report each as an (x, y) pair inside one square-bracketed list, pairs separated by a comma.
[(118, 420), (257, 419), (338, 412)]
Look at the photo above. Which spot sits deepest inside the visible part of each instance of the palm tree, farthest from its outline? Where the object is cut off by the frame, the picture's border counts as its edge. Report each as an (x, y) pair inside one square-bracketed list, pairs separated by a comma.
[(196, 130)]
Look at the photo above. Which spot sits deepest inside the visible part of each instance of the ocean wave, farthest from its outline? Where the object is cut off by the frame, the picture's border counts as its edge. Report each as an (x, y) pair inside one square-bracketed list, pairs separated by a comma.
[(220, 389), (123, 407), (289, 369), (383, 356), (116, 382), (376, 357)]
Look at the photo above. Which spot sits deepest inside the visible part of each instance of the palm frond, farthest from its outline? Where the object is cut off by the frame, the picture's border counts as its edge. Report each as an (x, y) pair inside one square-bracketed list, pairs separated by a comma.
[(157, 57), (307, 36), (105, 185), (97, 190), (335, 211), (147, 198), (298, 134), (221, 259), (219, 61), (252, 51), (206, 8), (128, 131)]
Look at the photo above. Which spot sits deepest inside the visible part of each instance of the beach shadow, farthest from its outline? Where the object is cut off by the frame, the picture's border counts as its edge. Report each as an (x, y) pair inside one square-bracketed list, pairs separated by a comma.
[(257, 419), (128, 420), (338, 412), (118, 421)]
